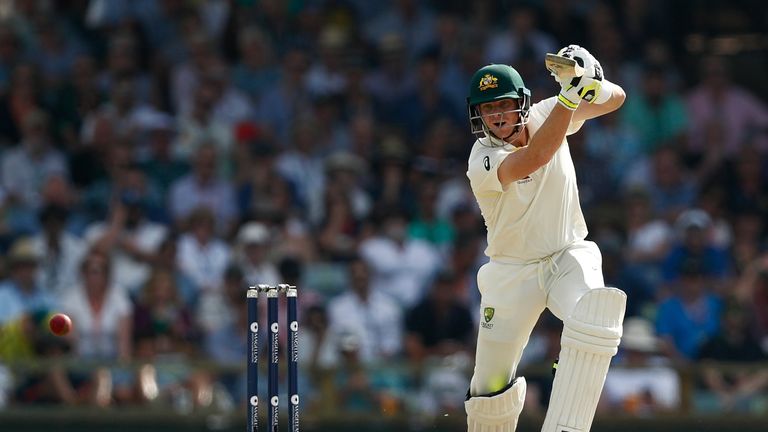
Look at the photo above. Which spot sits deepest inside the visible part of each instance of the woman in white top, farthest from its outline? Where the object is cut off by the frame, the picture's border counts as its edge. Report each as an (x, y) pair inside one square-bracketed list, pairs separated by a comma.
[(101, 314)]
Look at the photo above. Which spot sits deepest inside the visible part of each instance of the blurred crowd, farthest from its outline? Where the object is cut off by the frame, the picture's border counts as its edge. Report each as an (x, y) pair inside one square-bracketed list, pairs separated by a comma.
[(158, 156)]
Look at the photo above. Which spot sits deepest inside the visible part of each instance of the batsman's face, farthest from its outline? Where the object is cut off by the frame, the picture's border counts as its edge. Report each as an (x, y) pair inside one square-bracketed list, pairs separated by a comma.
[(500, 116)]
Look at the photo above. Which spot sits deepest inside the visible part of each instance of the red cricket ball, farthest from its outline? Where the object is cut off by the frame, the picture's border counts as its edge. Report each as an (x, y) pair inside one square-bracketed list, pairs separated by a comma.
[(60, 324)]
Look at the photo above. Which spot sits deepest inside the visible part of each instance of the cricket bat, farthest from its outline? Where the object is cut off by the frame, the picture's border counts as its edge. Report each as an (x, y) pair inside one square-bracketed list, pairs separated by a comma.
[(563, 67)]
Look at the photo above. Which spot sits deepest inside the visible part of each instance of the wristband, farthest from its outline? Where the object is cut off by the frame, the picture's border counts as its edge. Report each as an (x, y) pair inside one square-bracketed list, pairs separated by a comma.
[(567, 102)]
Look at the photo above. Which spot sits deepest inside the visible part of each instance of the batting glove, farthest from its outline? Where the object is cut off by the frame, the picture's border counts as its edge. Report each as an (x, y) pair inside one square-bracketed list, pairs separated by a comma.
[(586, 87)]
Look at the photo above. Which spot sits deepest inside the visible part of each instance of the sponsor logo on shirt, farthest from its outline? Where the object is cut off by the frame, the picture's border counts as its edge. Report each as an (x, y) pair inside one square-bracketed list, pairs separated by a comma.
[(524, 180)]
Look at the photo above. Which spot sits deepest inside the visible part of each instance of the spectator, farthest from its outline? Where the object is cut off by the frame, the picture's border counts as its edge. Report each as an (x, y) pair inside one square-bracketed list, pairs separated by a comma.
[(77, 96), (344, 173), (657, 114), (361, 390), (331, 133), (400, 267), (339, 230), (319, 356), (230, 106), (21, 294), (104, 331), (25, 168), (55, 51), (693, 230), (723, 111), (648, 243), (748, 239), (123, 61), (252, 248), (287, 100), (10, 54), (734, 342), (60, 251), (392, 188), (428, 225), (752, 290), (521, 37), (198, 127), (427, 103), (130, 237), (466, 257), (668, 183), (160, 165), (263, 192), (321, 352), (439, 325), (255, 72), (392, 82), (120, 172), (101, 310), (326, 77), (202, 255), (93, 155), (746, 182), (27, 339), (24, 96), (354, 390), (643, 384), (304, 168), (410, 20), (203, 188), (224, 322), (368, 315), (166, 259), (691, 315), (602, 133), (161, 321), (186, 76), (164, 332), (123, 110)]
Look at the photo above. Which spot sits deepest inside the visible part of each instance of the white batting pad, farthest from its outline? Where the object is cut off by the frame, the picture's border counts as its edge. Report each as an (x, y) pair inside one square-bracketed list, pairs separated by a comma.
[(496, 412), (591, 336)]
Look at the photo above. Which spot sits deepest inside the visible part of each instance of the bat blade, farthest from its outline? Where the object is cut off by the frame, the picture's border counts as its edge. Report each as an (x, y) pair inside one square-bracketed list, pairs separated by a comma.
[(563, 67)]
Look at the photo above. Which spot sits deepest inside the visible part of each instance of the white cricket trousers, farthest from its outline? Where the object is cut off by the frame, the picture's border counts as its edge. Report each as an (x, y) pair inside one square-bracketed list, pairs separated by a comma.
[(513, 297)]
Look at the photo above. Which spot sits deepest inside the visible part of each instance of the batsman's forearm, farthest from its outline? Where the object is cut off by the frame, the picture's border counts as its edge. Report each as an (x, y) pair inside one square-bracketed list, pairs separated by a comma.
[(540, 148), (587, 111), (611, 95)]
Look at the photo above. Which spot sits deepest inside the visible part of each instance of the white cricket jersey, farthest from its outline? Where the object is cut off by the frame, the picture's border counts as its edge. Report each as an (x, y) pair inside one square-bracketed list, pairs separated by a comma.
[(535, 216)]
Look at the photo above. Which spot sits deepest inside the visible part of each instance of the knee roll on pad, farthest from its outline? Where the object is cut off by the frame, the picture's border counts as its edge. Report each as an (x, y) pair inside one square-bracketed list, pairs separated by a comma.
[(596, 322), (496, 412), (591, 336)]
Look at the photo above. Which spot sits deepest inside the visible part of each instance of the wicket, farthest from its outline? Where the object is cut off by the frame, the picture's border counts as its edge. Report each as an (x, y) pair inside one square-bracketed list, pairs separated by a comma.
[(292, 325)]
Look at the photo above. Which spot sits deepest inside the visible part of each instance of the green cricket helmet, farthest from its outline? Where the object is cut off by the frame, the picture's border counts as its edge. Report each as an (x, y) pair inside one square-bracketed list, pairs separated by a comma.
[(495, 82)]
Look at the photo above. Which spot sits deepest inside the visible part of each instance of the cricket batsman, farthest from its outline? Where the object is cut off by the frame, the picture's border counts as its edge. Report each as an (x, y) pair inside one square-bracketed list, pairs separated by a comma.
[(523, 178)]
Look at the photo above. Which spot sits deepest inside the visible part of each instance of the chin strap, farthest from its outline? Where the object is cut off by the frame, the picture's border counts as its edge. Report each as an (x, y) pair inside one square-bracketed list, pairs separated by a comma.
[(500, 142), (517, 131)]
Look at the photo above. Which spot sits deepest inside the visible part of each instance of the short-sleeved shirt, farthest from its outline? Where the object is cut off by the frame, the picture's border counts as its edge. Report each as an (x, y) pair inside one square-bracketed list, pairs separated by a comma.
[(535, 216), (97, 333), (689, 327)]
